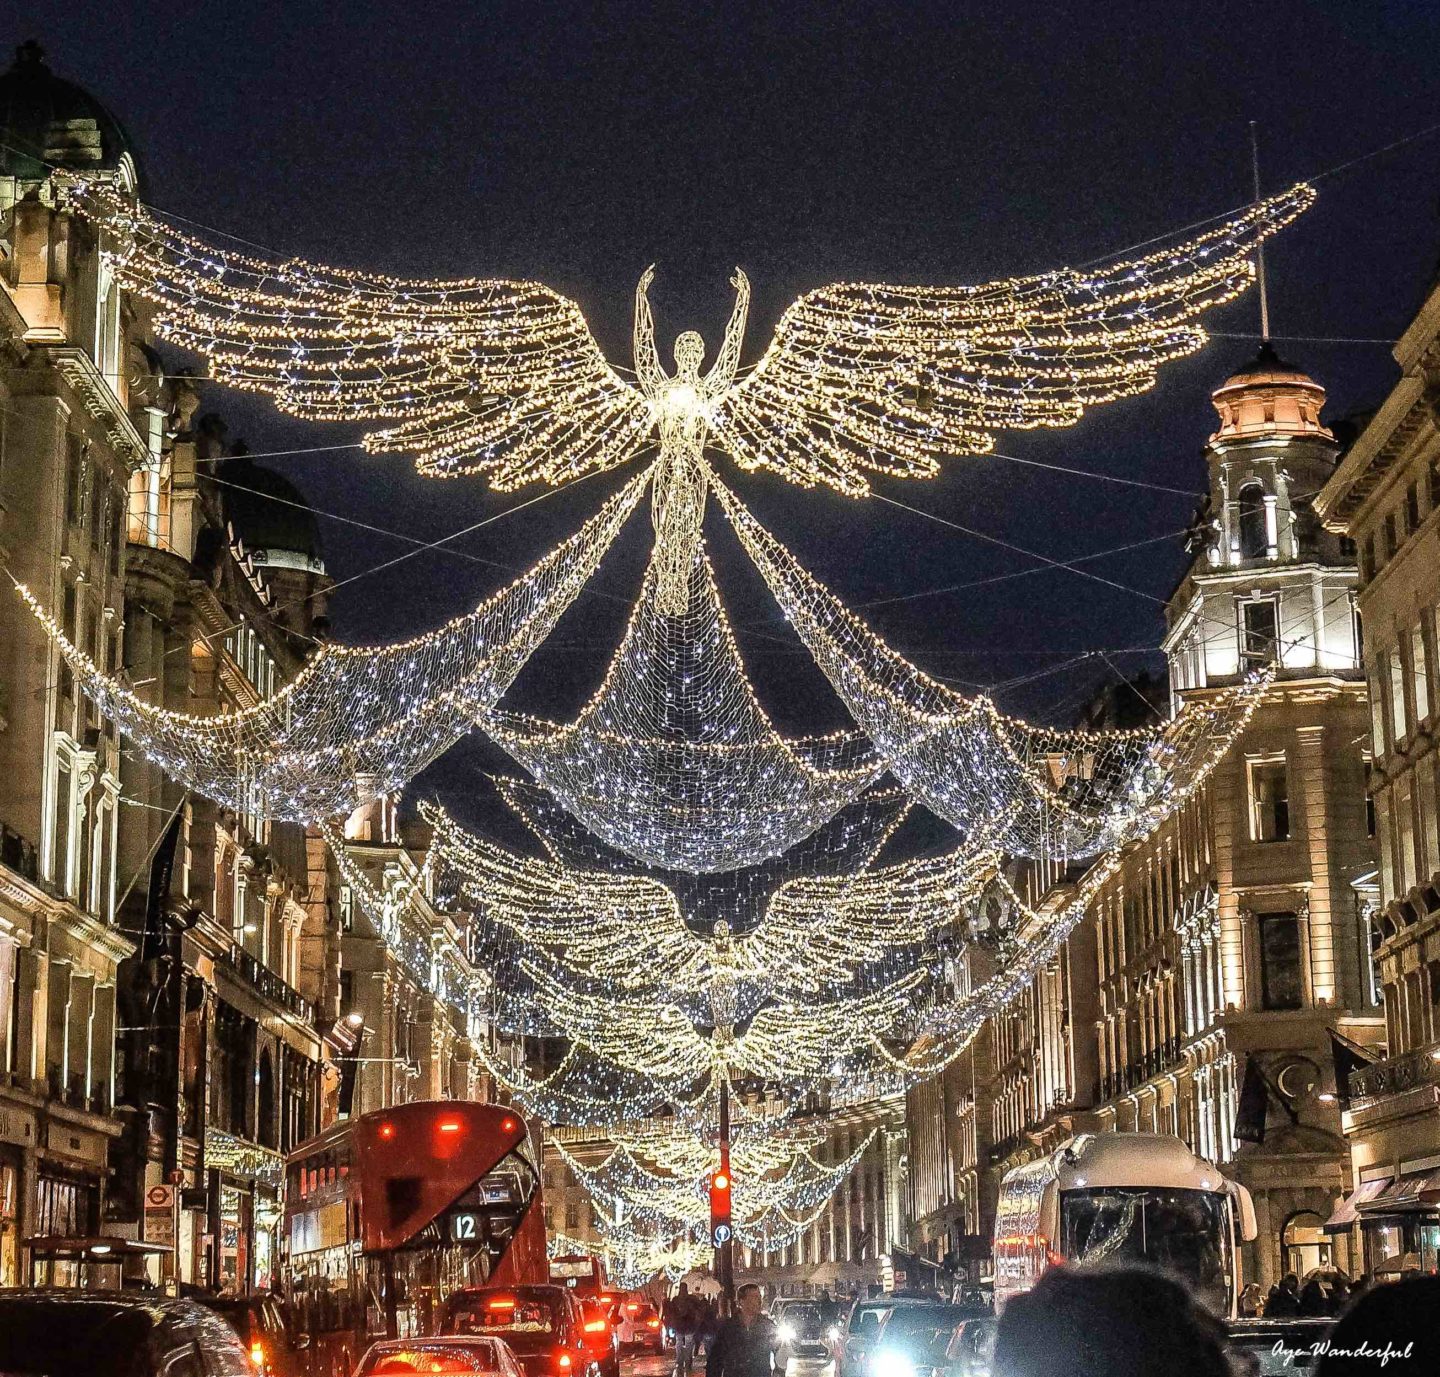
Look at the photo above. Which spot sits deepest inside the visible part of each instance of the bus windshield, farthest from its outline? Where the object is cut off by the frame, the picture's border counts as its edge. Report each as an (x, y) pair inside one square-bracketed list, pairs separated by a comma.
[(1186, 1232)]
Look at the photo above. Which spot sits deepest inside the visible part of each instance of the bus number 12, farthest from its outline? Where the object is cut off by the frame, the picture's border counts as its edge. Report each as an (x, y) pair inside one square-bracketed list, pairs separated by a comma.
[(463, 1228)]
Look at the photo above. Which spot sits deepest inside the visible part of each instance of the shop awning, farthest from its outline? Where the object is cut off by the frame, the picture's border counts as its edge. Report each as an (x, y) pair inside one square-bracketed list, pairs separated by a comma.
[(1412, 1192), (1348, 1210)]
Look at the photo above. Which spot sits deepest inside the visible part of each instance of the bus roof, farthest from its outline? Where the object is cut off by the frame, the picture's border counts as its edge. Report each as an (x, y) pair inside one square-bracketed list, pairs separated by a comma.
[(1098, 1160)]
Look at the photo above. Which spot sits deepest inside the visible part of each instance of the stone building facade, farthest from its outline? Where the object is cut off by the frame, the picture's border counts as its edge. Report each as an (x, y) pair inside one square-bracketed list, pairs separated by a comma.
[(1213, 965), (70, 435), (1385, 498)]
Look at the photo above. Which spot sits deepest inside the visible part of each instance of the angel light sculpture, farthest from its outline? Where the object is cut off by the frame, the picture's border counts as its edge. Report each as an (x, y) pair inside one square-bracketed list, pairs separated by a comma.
[(503, 377)]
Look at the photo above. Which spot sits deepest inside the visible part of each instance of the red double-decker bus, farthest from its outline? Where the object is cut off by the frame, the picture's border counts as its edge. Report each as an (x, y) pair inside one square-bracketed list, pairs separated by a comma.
[(388, 1213)]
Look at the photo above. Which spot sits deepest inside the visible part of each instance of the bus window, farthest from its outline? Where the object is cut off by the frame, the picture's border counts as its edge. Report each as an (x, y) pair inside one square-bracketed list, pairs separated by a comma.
[(1186, 1232)]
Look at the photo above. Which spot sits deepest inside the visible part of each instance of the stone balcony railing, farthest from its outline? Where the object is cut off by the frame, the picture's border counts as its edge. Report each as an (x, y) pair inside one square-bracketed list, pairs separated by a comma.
[(268, 984), (1395, 1075)]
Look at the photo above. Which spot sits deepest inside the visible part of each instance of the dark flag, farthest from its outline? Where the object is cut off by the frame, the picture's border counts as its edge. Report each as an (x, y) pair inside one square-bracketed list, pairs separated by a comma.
[(1254, 1106), (1348, 1057), (162, 869)]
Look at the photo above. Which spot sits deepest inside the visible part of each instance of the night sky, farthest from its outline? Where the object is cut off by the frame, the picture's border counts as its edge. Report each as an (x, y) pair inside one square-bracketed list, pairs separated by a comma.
[(943, 142)]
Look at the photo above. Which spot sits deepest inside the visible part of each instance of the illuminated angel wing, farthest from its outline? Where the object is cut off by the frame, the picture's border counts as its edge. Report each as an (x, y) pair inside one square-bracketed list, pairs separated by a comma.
[(625, 930), (821, 930), (866, 378), (473, 375), (794, 1041)]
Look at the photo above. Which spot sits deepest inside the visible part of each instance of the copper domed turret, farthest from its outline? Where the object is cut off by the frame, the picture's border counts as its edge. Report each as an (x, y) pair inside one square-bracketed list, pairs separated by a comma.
[(1269, 397)]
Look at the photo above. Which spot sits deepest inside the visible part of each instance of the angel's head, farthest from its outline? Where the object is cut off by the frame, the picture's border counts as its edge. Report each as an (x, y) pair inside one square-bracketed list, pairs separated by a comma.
[(689, 352)]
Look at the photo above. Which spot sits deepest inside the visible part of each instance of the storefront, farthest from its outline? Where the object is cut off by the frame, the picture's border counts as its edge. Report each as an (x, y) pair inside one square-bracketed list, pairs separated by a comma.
[(1401, 1223), (244, 1191)]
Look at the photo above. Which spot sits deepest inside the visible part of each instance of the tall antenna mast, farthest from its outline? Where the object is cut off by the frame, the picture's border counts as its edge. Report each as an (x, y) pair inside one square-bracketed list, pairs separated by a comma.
[(1260, 244)]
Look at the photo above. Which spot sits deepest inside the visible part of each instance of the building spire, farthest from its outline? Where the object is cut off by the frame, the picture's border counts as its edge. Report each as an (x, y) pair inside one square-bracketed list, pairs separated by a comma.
[(1260, 243)]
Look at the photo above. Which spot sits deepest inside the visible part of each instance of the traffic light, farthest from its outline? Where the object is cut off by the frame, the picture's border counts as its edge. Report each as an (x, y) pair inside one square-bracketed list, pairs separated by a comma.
[(720, 1230)]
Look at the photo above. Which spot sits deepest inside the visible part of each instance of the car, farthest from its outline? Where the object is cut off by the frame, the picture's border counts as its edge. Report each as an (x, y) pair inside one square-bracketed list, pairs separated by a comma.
[(1260, 1347), (858, 1335), (543, 1325), (115, 1334), (455, 1354), (263, 1329), (972, 1346), (640, 1326), (800, 1326), (917, 1341), (601, 1333)]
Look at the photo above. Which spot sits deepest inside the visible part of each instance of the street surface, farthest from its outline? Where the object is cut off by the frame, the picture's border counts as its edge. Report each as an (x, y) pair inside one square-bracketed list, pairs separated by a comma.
[(651, 1365)]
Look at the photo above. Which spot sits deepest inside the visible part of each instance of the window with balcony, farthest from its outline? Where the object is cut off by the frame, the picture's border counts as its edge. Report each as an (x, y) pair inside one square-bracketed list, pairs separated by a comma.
[(1280, 983), (1269, 800), (1259, 633)]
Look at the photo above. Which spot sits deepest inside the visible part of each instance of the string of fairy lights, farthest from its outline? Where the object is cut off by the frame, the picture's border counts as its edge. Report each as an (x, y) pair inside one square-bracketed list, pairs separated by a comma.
[(708, 903)]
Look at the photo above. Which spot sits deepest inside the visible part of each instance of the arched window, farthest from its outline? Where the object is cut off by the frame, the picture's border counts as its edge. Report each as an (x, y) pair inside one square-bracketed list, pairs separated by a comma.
[(1254, 540), (268, 1129)]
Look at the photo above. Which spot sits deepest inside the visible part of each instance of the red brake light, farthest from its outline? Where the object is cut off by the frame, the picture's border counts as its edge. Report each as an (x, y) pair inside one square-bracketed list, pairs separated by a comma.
[(563, 1362), (449, 1125), (633, 1308), (387, 1131), (721, 1181), (257, 1356), (500, 1303), (595, 1326), (508, 1125), (654, 1324)]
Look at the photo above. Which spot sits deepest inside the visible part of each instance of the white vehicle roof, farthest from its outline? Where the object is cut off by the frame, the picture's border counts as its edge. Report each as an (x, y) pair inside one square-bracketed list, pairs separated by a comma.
[(1094, 1160)]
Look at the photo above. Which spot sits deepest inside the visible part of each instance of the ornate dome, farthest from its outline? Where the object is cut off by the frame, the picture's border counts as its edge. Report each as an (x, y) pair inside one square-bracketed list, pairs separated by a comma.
[(1269, 397), (271, 517), (47, 122)]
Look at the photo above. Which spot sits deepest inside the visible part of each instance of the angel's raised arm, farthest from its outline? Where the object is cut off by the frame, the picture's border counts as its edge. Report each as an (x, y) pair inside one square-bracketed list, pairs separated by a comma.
[(722, 374), (647, 357)]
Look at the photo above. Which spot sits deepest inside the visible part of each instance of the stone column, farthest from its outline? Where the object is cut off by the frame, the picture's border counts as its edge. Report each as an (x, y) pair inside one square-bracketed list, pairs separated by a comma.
[(32, 1012), (57, 1049)]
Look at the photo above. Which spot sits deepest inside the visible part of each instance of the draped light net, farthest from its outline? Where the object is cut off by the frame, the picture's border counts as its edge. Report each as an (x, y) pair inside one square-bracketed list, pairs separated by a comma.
[(674, 761), (1024, 790), (358, 720)]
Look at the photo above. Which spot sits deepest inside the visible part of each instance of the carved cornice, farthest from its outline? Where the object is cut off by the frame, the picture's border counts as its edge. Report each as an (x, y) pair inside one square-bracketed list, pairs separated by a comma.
[(86, 381)]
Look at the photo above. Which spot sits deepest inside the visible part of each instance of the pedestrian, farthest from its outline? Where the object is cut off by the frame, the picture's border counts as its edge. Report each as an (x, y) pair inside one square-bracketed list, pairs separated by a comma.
[(1283, 1302), (1121, 1321), (1389, 1328), (746, 1343), (1252, 1298), (1313, 1300), (682, 1319)]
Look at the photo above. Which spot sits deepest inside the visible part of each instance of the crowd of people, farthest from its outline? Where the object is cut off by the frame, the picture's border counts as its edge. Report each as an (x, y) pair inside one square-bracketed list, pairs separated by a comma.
[(1133, 1321)]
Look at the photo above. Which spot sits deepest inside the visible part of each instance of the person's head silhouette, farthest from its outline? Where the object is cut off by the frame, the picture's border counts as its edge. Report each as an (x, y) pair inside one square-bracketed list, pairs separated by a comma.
[(1397, 1317), (1108, 1322)]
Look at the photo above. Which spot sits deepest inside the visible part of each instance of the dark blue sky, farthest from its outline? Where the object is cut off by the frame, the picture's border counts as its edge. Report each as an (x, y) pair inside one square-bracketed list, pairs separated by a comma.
[(937, 142)]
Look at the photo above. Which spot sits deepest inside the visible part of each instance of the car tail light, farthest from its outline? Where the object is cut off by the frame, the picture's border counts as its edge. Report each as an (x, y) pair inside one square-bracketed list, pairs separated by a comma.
[(595, 1326), (563, 1362), (257, 1356), (654, 1324), (500, 1303), (387, 1131)]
